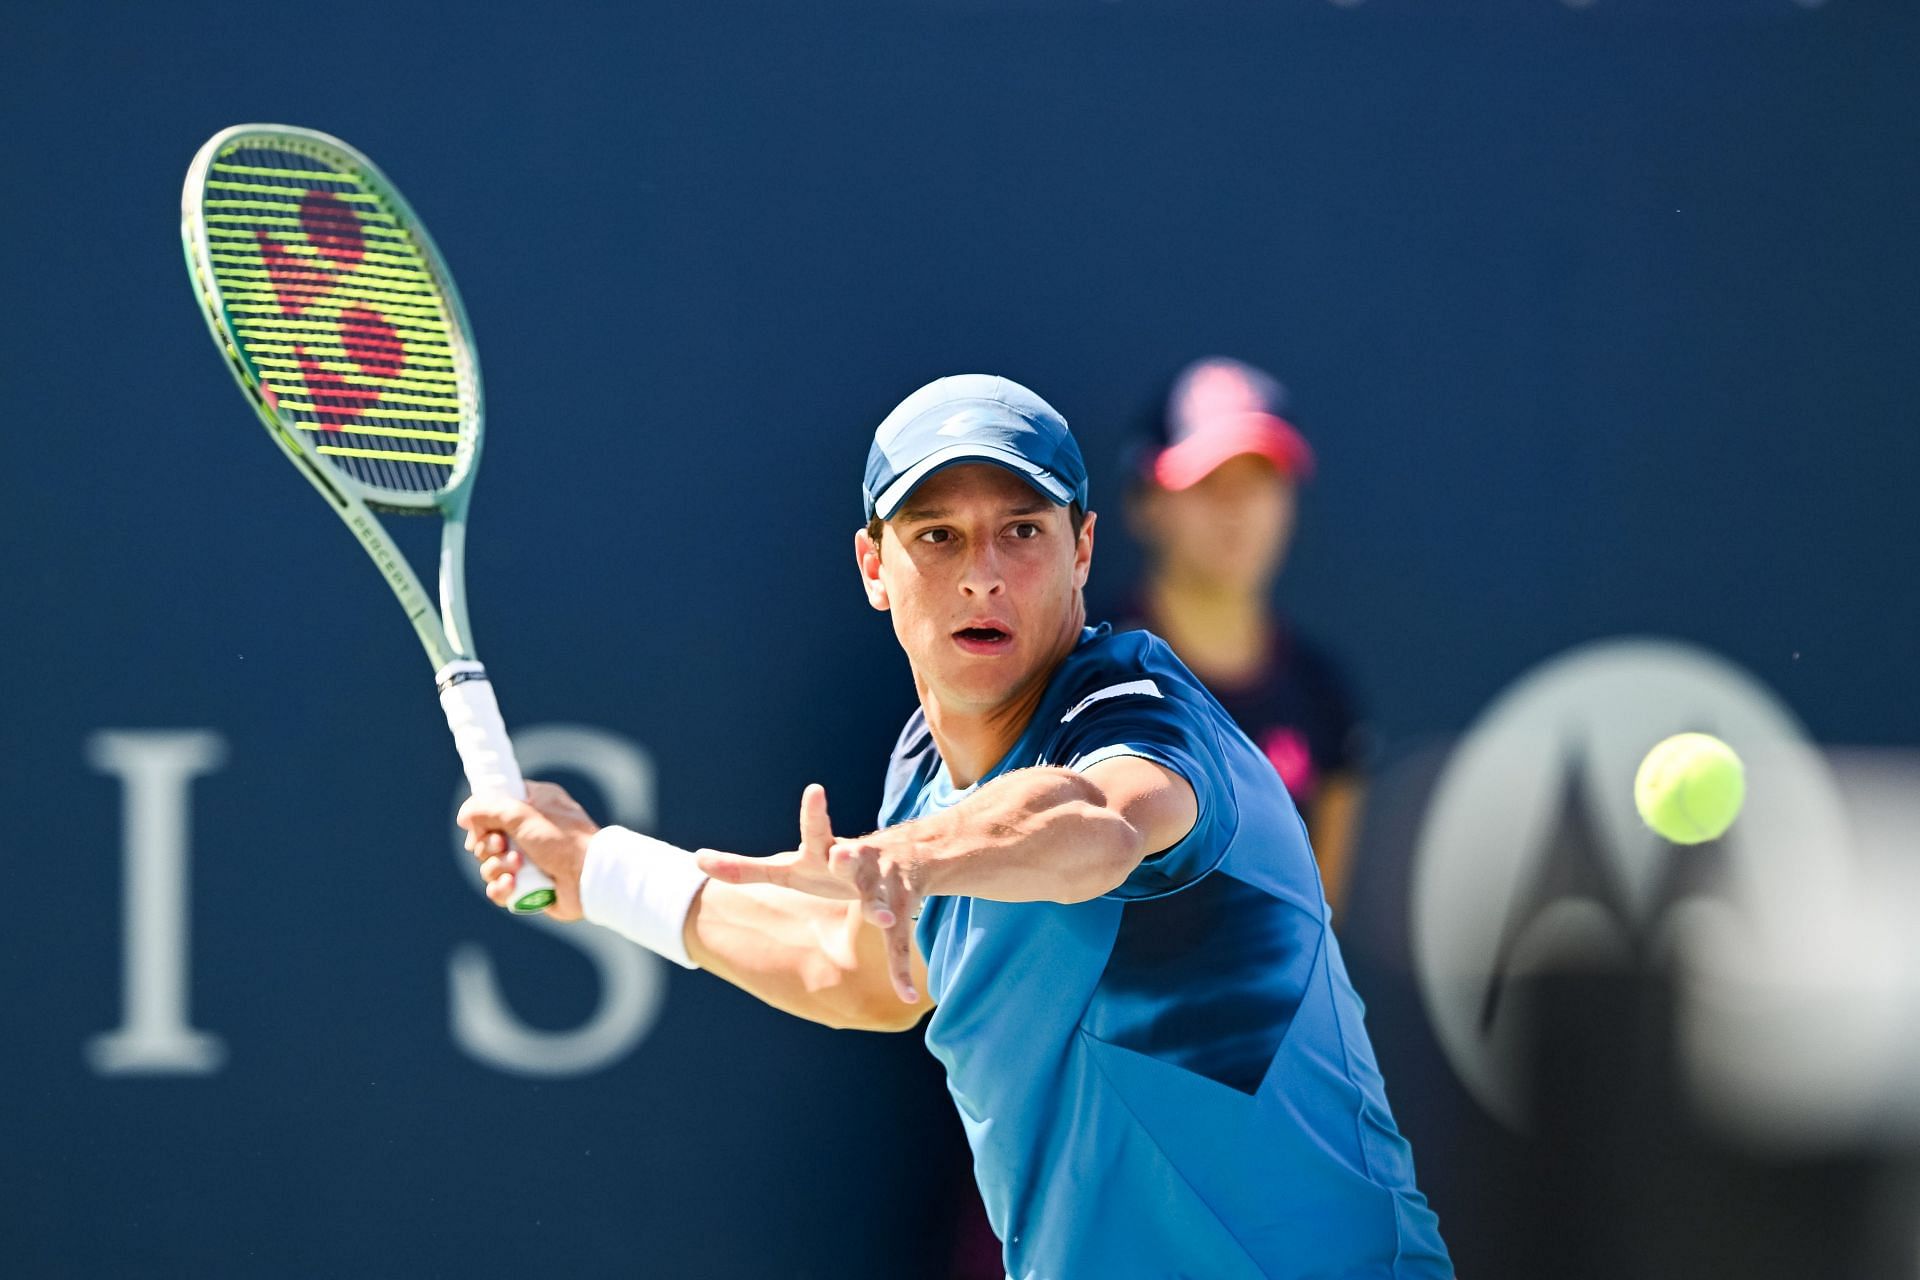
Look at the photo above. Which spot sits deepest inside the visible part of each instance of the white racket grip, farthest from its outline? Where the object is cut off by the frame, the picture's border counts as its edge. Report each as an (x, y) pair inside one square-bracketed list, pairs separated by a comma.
[(486, 753)]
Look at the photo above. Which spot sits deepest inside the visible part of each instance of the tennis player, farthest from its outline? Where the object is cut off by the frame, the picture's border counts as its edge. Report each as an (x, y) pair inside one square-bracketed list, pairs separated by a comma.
[(1089, 873)]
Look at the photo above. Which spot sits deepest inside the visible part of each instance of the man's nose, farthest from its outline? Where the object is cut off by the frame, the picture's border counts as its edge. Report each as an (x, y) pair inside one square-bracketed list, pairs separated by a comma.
[(982, 575)]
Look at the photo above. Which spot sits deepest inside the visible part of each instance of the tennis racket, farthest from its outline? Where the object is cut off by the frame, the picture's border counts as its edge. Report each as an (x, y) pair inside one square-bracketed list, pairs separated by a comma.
[(342, 325)]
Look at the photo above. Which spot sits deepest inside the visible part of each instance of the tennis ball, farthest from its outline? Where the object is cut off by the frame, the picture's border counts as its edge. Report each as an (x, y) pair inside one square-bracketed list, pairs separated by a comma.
[(1689, 788)]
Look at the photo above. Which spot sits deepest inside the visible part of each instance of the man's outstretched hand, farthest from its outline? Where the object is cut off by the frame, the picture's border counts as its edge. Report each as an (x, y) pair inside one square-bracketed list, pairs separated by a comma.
[(884, 883)]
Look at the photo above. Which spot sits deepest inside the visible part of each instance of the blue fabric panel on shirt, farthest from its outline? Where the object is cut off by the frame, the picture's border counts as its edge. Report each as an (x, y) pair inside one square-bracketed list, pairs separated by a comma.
[(1240, 954)]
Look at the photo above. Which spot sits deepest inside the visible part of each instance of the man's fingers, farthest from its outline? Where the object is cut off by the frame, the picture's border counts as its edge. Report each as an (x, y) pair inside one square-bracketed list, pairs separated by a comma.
[(899, 901), (859, 868), (816, 830), (494, 813), (900, 959), (885, 898), (734, 868), (870, 887), (500, 864), (892, 897)]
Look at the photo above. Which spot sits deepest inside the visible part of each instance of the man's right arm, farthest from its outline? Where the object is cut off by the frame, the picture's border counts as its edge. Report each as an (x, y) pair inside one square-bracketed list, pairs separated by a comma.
[(813, 957)]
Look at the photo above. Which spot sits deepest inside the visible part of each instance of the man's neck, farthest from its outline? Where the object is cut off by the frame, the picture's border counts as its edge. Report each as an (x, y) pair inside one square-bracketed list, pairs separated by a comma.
[(972, 740), (1221, 632)]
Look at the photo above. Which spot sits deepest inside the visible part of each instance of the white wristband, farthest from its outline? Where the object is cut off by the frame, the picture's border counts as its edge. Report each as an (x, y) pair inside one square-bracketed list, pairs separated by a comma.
[(642, 889)]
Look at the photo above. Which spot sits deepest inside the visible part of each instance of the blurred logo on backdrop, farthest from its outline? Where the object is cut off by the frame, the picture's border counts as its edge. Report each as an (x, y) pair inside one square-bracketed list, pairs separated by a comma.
[(1531, 859), (156, 1036)]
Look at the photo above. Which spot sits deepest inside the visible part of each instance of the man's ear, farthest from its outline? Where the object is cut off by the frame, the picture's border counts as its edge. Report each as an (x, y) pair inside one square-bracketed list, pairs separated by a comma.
[(1083, 550), (866, 554)]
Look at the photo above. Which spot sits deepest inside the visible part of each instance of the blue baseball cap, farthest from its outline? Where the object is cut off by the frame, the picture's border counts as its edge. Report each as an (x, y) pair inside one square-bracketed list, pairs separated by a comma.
[(972, 417)]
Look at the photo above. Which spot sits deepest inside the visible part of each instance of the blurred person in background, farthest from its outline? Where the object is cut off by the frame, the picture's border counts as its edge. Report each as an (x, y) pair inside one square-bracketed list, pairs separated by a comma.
[(1214, 504)]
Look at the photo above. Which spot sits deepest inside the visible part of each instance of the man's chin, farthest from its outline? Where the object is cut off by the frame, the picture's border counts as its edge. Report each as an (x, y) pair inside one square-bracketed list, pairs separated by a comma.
[(962, 689)]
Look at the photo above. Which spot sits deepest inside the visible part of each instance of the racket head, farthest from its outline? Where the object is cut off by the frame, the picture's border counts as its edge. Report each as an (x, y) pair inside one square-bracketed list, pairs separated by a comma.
[(337, 315)]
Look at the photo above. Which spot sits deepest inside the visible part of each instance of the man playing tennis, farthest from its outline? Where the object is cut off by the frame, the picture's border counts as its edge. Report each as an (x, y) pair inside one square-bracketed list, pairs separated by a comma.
[(1100, 883)]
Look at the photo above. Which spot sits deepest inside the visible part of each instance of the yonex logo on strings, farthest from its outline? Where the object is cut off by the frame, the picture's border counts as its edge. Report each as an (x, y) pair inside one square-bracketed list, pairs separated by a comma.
[(371, 342)]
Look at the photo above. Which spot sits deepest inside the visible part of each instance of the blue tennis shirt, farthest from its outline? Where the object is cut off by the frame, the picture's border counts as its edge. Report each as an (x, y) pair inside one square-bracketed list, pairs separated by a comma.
[(1172, 1080)]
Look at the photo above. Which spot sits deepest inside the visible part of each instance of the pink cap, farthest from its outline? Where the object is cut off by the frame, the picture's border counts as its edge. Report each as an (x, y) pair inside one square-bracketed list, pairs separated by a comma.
[(1220, 409)]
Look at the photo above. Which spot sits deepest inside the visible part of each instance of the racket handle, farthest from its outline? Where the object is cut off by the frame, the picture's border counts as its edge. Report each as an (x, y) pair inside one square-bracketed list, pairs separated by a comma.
[(486, 753)]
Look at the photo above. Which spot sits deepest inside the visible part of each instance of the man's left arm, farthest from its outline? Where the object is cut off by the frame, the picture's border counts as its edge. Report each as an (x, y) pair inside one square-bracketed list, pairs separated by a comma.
[(1033, 835)]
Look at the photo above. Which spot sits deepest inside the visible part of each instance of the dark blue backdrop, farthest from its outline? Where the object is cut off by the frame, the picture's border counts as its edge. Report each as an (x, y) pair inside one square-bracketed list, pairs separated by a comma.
[(1601, 318)]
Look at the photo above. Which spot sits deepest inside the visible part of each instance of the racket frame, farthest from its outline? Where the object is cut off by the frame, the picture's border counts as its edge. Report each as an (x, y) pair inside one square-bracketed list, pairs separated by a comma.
[(444, 631), (450, 637)]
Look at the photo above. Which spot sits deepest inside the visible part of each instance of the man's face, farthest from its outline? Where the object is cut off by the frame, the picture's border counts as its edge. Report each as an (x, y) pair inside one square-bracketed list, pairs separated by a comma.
[(982, 576), (1231, 529)]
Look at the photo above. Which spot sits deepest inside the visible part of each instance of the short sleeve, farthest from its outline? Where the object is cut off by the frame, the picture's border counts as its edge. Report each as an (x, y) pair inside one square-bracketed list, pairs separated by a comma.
[(1141, 718)]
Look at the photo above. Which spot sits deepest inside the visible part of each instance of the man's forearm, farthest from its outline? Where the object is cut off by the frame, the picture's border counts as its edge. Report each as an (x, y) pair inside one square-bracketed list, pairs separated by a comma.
[(1033, 835), (808, 956)]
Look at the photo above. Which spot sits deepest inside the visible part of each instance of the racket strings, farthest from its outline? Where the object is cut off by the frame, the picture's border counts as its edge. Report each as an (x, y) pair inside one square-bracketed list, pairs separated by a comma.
[(338, 311)]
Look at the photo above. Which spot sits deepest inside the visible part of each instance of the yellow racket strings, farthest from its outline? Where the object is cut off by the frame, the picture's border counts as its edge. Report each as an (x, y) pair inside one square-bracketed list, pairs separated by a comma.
[(336, 309)]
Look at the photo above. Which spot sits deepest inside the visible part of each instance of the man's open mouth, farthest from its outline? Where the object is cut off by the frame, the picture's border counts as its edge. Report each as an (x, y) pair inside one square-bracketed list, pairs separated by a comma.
[(982, 639)]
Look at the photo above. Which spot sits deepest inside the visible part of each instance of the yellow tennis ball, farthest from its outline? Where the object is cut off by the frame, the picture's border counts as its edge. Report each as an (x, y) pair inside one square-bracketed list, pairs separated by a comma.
[(1689, 788)]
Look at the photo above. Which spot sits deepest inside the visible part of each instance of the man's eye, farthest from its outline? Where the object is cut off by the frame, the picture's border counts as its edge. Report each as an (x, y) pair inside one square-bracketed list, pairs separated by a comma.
[(1026, 529), (937, 536)]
